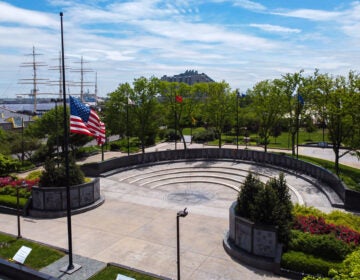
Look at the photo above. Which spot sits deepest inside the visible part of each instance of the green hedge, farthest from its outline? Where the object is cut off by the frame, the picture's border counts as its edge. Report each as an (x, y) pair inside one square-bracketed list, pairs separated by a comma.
[(306, 263), (336, 217), (323, 246)]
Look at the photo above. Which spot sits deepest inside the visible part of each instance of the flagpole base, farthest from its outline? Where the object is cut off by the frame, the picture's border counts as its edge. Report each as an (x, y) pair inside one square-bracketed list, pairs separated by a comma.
[(68, 270)]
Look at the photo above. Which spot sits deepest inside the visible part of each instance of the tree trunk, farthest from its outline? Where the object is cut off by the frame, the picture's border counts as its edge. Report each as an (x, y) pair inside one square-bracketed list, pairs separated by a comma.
[(336, 149), (293, 143), (265, 144), (183, 138)]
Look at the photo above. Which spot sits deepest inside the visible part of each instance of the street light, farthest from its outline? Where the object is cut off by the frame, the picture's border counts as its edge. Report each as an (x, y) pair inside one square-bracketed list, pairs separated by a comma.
[(23, 184), (56, 100), (22, 142), (237, 118), (182, 214)]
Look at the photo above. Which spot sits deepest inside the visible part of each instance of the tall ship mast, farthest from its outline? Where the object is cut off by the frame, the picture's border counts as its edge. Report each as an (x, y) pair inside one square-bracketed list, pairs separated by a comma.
[(35, 81), (82, 83)]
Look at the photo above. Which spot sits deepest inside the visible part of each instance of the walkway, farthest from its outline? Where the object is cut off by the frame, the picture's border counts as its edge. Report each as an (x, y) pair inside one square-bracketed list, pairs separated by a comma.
[(136, 226)]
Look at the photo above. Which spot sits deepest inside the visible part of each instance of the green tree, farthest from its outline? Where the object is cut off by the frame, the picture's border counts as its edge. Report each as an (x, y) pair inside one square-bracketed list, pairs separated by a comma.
[(268, 204), (118, 120), (146, 109), (218, 107), (51, 127), (268, 105), (291, 86), (55, 175), (178, 104), (249, 190), (339, 116)]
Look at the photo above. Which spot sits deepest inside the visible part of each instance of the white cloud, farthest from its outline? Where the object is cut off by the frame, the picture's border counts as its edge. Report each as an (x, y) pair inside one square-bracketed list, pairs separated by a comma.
[(128, 39), (314, 15), (275, 28), (249, 5), (14, 15)]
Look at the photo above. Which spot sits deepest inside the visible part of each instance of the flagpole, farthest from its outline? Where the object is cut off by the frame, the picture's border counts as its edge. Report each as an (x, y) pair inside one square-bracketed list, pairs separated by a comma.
[(70, 268)]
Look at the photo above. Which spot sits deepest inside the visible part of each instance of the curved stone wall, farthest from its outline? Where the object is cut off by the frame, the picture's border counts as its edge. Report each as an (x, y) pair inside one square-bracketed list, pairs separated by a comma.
[(281, 161), (51, 201)]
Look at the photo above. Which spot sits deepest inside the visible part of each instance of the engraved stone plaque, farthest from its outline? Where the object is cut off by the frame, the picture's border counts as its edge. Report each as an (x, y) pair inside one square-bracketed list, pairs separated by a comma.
[(264, 243), (243, 235)]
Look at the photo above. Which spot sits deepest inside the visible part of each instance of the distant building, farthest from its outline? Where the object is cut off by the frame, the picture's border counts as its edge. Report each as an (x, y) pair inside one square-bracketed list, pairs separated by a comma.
[(189, 77)]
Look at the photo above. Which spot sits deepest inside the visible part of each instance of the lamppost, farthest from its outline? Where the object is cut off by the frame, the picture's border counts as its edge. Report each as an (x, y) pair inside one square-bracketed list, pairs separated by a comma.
[(182, 214), (22, 142), (23, 184), (127, 127), (56, 100), (237, 118)]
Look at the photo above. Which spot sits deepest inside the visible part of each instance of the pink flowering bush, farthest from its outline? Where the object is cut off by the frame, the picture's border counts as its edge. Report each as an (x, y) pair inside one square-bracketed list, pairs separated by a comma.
[(22, 183), (318, 225)]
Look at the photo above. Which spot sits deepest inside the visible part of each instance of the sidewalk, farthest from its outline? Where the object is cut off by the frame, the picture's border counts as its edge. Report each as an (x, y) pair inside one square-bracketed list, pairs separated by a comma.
[(136, 226), (317, 152)]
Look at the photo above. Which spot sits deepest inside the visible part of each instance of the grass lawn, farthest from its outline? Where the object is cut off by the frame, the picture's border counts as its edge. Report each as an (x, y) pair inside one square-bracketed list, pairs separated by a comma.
[(40, 256), (281, 142), (110, 272), (349, 175), (11, 201)]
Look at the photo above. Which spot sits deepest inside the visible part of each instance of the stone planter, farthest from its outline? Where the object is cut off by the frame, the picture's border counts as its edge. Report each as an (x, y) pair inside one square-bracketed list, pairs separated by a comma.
[(51, 202), (255, 245)]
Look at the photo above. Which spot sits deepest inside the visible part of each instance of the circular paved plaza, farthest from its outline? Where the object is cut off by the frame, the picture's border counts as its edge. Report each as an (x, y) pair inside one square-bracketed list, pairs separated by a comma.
[(136, 226)]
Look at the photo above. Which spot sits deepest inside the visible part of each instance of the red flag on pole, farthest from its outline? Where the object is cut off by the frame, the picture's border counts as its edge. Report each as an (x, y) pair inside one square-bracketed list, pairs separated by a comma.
[(84, 120), (178, 99)]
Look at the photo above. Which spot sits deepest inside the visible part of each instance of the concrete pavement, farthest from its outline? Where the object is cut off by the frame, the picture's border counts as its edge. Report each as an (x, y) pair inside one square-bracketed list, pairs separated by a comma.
[(136, 226)]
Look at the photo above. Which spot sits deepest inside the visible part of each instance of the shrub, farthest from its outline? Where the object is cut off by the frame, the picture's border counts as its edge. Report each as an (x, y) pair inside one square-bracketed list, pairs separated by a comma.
[(86, 151), (267, 204), (8, 165), (204, 135), (324, 246), (40, 155), (315, 225), (115, 146), (170, 135), (34, 175), (54, 176), (306, 263), (335, 217), (246, 197), (350, 268)]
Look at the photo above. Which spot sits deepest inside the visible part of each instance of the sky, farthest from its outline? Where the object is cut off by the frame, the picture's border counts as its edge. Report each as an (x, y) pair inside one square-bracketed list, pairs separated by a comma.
[(241, 42)]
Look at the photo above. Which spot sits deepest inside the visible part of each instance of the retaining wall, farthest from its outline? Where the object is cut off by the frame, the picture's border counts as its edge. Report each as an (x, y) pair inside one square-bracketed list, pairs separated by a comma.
[(52, 201), (351, 198)]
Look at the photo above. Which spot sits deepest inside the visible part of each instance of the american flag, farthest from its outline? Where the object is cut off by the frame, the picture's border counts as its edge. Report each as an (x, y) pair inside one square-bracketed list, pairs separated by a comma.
[(84, 120)]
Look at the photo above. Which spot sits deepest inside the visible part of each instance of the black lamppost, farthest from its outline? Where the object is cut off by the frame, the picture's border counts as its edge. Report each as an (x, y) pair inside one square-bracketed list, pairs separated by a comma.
[(182, 214), (22, 142), (56, 100), (127, 127), (237, 118), (175, 119), (23, 184)]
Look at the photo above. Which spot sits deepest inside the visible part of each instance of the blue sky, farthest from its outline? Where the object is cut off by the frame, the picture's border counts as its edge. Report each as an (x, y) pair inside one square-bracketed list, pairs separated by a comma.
[(239, 41)]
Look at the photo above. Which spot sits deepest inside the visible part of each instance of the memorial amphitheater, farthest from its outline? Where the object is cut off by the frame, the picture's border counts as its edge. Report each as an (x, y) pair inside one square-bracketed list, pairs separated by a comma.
[(136, 225)]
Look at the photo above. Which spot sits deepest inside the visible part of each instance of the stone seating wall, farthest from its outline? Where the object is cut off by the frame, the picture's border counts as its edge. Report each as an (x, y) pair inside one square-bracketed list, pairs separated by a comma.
[(280, 161)]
